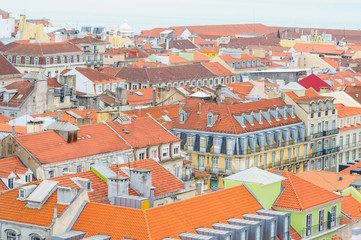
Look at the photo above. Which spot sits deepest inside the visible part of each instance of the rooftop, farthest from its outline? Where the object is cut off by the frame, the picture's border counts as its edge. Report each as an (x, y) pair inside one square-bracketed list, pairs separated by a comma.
[(255, 175)]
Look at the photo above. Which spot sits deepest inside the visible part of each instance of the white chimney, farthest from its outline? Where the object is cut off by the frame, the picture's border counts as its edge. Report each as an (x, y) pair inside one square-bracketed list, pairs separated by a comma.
[(141, 181), (117, 186)]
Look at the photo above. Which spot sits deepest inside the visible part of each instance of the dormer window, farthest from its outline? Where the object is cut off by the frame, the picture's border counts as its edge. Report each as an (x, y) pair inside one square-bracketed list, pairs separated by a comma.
[(10, 58), (209, 120), (89, 186), (11, 183), (27, 60), (260, 117), (28, 178), (21, 193), (243, 121), (277, 114), (182, 117), (285, 113), (55, 60), (252, 118), (36, 61), (18, 59), (47, 60)]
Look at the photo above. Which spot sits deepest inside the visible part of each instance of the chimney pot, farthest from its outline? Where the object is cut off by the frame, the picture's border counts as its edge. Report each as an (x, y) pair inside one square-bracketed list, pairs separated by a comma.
[(59, 116), (199, 188), (151, 199), (13, 130)]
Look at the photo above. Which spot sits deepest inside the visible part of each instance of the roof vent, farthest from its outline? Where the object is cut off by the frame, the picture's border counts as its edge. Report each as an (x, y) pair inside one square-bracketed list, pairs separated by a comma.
[(340, 178)]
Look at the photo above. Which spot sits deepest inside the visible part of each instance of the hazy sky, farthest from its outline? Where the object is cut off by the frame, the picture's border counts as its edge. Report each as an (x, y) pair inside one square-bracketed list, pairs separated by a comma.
[(147, 14)]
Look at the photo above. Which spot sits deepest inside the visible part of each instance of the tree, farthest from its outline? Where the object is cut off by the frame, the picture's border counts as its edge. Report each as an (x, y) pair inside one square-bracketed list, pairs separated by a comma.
[(278, 33)]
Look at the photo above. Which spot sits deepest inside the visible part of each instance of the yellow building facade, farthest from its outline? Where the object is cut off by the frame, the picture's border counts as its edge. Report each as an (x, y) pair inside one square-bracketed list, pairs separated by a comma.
[(31, 31)]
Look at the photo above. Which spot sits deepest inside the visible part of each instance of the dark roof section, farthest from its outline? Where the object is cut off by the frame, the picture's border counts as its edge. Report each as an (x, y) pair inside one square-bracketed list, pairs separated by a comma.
[(28, 48), (245, 42), (23, 88), (86, 40), (6, 68), (182, 44), (354, 92), (165, 74)]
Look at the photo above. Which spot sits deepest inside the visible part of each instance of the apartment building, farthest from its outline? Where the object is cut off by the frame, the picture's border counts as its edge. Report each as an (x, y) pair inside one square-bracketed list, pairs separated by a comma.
[(320, 119), (223, 139)]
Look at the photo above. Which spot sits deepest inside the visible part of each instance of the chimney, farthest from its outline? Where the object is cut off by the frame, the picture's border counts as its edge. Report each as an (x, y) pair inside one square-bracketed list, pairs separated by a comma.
[(59, 116), (117, 186), (141, 181), (13, 130), (121, 95), (218, 94), (66, 195), (167, 44), (151, 199), (199, 188), (154, 96)]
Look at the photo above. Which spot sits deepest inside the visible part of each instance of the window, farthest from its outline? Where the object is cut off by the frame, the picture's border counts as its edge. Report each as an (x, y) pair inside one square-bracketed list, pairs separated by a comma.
[(354, 139), (10, 235), (51, 173), (347, 156), (11, 183), (89, 186), (176, 171), (28, 178), (78, 168), (281, 156), (319, 165), (308, 224), (99, 89), (36, 61), (55, 60), (62, 59), (247, 163), (256, 161), (333, 215), (229, 145), (353, 155), (210, 120), (340, 158), (305, 150), (258, 233), (175, 150), (273, 159), (68, 59), (333, 124), (47, 60), (10, 58), (165, 152), (326, 162), (312, 131), (203, 142), (154, 153), (312, 165), (319, 127), (321, 220), (181, 117), (190, 141), (215, 164), (141, 155), (228, 164), (201, 161), (348, 140), (75, 59), (65, 169), (18, 59), (27, 60)]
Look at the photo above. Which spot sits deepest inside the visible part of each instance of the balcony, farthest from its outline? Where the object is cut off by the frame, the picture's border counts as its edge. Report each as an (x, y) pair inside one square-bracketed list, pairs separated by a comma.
[(324, 133), (273, 146), (319, 230), (325, 152)]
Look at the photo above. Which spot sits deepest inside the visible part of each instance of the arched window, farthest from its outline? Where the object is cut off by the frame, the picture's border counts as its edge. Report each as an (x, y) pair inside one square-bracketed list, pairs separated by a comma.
[(11, 235), (35, 237)]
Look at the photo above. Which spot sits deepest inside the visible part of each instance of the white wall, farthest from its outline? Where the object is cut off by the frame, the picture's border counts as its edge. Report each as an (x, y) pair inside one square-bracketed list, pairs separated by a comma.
[(7, 26)]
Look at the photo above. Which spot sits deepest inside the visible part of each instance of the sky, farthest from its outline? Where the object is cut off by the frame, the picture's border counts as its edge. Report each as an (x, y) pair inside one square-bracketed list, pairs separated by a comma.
[(146, 14)]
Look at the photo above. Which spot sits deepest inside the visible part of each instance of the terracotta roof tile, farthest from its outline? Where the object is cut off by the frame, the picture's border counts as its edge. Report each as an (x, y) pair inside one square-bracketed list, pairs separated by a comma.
[(348, 170), (245, 42), (11, 164), (7, 128), (96, 76), (217, 69), (330, 181), (181, 44), (300, 194), (110, 71), (168, 220), (25, 47), (23, 88), (6, 68), (50, 147), (225, 121), (53, 83), (351, 207), (86, 40), (4, 119), (345, 111), (15, 210), (143, 132), (317, 48)]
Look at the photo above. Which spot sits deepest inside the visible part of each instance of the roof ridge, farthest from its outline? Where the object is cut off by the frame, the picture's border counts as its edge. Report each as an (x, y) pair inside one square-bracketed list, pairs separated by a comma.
[(147, 224)]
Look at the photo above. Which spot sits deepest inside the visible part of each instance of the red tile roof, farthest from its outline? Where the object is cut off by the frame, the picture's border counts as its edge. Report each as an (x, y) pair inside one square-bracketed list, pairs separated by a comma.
[(217, 69), (168, 220), (332, 62), (16, 211), (225, 121), (310, 96), (163, 180), (25, 47), (96, 76), (24, 89), (313, 81), (4, 119), (181, 44), (110, 71), (245, 42), (53, 83), (6, 68), (344, 111), (300, 194), (330, 181), (348, 170), (50, 147), (129, 53), (351, 207), (317, 48), (11, 164), (7, 128), (143, 132), (86, 40), (140, 96)]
